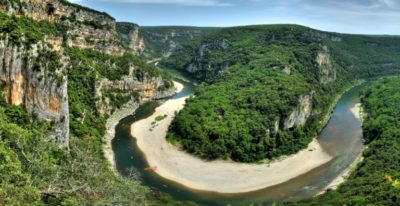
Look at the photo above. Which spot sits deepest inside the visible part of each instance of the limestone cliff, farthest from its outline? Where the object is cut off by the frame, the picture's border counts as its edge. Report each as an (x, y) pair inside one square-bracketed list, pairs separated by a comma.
[(86, 28), (130, 89), (327, 72), (163, 41), (129, 32), (30, 83), (34, 69), (205, 50), (299, 116)]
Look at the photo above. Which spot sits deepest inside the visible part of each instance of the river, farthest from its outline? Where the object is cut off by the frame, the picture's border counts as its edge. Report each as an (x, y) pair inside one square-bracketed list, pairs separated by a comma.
[(341, 138)]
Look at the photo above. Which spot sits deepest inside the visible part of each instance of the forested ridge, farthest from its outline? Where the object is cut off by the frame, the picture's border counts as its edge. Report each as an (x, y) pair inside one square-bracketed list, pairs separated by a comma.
[(253, 79), (161, 41), (376, 180)]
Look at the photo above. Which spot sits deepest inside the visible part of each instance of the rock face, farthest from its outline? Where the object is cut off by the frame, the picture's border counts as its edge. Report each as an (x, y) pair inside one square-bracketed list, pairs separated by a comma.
[(87, 28), (327, 72), (136, 91), (162, 41), (34, 87), (299, 116), (35, 77), (56, 11), (199, 63), (130, 33)]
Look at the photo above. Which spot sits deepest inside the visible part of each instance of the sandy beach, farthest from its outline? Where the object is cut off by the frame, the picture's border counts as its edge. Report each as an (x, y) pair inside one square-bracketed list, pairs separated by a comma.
[(217, 176), (356, 110)]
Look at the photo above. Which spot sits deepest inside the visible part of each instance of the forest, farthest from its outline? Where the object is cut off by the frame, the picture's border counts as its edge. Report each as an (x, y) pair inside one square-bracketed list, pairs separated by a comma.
[(235, 117), (252, 79), (376, 181)]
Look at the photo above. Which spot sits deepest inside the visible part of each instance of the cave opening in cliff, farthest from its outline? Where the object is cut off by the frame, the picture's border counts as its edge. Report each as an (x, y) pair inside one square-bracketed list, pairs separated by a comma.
[(50, 9)]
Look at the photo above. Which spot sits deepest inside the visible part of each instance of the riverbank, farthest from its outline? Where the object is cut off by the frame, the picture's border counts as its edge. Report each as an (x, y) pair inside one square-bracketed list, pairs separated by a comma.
[(112, 122), (217, 176), (342, 177), (345, 89), (116, 117)]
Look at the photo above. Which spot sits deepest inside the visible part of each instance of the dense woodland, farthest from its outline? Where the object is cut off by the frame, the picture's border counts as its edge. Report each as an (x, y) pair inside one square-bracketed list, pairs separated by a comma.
[(376, 181), (253, 78)]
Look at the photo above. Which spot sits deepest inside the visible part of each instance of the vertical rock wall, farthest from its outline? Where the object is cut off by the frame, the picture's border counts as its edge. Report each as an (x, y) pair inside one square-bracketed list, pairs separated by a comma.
[(35, 89)]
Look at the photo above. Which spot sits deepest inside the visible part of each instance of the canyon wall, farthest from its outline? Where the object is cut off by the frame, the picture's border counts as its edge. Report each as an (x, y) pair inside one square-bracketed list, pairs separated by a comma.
[(34, 75), (86, 28), (30, 83)]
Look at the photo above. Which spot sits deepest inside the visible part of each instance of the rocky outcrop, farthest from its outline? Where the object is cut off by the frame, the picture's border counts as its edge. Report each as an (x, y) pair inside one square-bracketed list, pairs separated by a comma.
[(299, 116), (133, 90), (327, 72), (55, 11), (130, 33), (34, 75), (32, 84), (86, 37), (163, 41), (86, 28), (287, 70), (199, 63)]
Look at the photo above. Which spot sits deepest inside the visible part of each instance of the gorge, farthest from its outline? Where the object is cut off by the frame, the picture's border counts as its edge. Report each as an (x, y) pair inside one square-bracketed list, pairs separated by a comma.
[(89, 105)]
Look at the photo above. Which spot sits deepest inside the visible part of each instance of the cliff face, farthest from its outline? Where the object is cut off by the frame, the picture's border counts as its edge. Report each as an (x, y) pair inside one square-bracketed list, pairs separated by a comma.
[(299, 116), (29, 83), (86, 28), (163, 41), (130, 89), (56, 11), (130, 33), (34, 73), (199, 63), (327, 73)]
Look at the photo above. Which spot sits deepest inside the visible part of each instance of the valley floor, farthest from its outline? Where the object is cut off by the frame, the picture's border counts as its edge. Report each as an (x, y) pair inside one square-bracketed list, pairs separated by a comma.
[(217, 176)]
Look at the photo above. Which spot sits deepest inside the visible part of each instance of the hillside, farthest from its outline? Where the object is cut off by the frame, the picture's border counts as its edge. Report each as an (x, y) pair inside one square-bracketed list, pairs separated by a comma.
[(65, 70), (162, 41), (376, 181), (285, 77)]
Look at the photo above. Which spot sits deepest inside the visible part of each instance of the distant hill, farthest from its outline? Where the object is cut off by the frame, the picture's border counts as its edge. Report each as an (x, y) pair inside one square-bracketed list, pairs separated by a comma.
[(161, 41)]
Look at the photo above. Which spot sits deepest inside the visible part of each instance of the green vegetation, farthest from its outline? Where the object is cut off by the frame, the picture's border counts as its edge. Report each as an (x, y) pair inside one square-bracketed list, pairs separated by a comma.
[(88, 66), (235, 117), (160, 118), (375, 181), (24, 31), (33, 170), (160, 41), (113, 67), (253, 79), (359, 56)]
